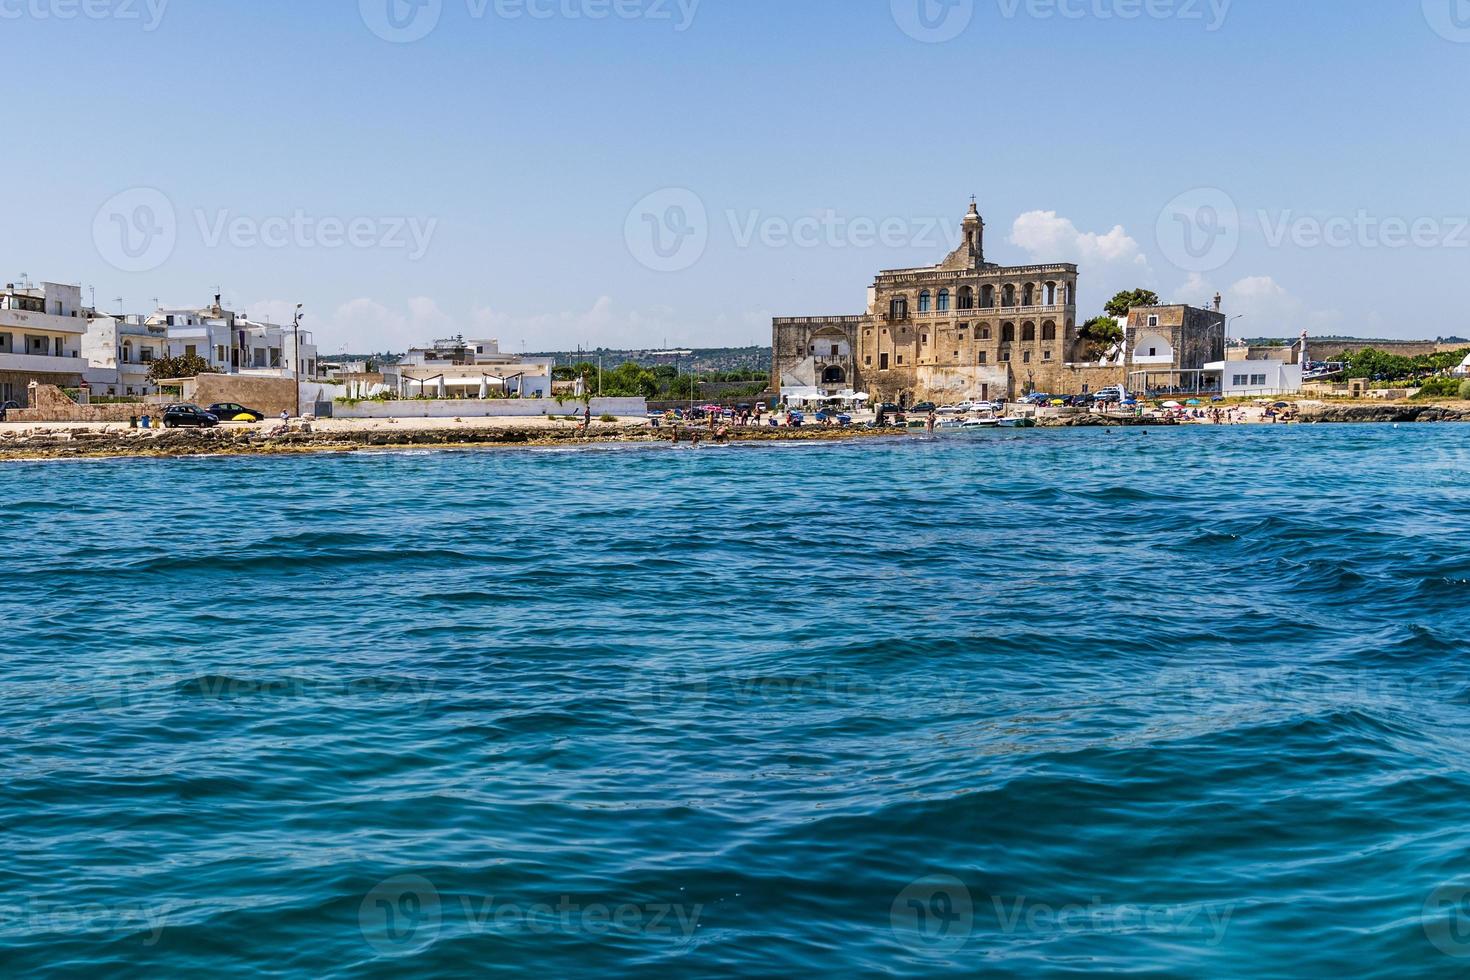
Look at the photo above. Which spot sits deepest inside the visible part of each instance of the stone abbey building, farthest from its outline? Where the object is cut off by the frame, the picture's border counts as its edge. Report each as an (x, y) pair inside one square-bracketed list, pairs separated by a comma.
[(971, 329)]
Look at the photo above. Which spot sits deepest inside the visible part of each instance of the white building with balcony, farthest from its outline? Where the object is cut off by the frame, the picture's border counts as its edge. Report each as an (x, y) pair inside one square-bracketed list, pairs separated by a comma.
[(232, 343), (269, 350), (41, 330), (120, 351)]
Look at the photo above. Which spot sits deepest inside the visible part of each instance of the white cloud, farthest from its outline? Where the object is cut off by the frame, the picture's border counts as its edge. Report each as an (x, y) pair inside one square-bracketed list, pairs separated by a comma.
[(1266, 308), (1051, 238)]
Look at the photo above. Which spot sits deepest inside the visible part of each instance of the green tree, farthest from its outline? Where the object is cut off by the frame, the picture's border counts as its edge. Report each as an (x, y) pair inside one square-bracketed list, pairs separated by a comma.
[(185, 366), (1120, 304), (1465, 391), (1102, 330)]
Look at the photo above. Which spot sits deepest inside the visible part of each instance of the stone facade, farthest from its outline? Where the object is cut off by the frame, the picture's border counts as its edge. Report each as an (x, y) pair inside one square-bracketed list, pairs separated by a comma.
[(1169, 346), (965, 328), (971, 329)]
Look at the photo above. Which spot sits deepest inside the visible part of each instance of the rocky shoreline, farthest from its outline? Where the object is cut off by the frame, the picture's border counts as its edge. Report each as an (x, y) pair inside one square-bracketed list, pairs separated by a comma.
[(64, 443)]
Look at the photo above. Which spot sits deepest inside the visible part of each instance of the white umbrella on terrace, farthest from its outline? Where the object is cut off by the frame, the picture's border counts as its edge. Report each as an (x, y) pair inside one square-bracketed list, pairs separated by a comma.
[(484, 388), (443, 388)]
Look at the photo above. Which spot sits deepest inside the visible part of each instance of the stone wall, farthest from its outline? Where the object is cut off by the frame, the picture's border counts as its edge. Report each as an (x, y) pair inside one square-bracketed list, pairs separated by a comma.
[(19, 382), (49, 403), (270, 396), (455, 408)]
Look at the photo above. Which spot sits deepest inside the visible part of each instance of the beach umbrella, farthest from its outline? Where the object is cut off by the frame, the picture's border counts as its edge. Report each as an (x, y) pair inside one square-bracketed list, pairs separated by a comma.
[(443, 388), (484, 388)]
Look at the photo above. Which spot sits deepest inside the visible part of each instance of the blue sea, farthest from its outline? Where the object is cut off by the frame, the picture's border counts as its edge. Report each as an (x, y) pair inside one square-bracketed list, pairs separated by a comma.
[(1168, 703)]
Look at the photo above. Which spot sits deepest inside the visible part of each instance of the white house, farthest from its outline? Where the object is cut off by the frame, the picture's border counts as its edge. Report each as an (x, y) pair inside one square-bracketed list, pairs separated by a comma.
[(1256, 378), (41, 330), (232, 343), (120, 351), (1463, 371), (459, 368)]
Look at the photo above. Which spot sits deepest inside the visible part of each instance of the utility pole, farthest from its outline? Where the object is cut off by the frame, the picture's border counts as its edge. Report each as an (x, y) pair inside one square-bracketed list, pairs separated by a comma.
[(296, 355)]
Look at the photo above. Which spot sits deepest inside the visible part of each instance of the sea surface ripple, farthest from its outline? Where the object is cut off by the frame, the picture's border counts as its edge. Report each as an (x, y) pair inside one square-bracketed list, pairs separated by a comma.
[(1168, 703)]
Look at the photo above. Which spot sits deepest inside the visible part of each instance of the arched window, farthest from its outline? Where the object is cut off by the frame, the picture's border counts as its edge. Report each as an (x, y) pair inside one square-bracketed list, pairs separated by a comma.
[(1048, 331), (1028, 332), (944, 301), (984, 330), (924, 301), (898, 308), (127, 353), (967, 298), (987, 297), (1051, 294), (1008, 295), (1028, 295), (1007, 333), (1071, 293)]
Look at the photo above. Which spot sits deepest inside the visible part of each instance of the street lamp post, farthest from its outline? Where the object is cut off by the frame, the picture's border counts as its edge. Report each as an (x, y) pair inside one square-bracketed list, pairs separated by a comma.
[(296, 355)]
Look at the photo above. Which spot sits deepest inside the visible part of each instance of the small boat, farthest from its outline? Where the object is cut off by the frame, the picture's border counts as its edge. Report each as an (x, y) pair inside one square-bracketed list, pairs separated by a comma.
[(980, 424), (1018, 423)]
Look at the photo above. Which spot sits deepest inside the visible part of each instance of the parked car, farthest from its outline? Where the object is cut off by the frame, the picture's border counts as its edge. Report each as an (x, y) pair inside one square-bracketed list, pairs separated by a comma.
[(188, 416), (6, 407), (924, 408), (231, 412)]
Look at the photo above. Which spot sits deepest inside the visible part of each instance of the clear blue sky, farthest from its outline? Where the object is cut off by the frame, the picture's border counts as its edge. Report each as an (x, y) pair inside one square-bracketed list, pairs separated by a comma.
[(523, 143)]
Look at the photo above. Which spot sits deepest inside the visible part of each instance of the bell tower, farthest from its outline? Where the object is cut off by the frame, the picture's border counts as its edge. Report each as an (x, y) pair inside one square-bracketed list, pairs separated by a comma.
[(975, 234)]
